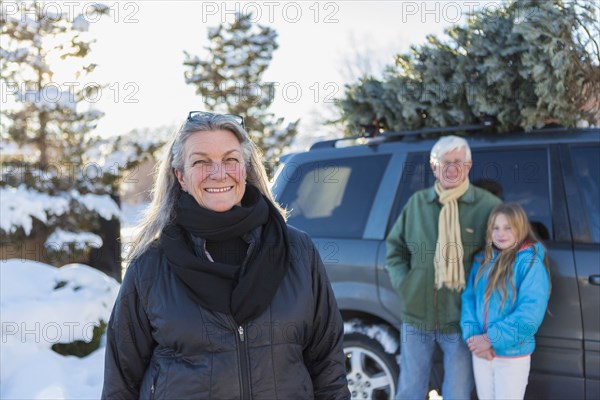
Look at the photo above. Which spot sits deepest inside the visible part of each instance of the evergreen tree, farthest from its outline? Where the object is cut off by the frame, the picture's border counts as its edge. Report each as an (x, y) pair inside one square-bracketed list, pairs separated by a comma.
[(524, 65), (55, 196), (49, 116), (229, 80)]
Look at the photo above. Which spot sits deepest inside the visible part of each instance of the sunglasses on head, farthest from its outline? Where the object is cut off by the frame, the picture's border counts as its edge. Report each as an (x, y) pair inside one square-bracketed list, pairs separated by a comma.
[(199, 114)]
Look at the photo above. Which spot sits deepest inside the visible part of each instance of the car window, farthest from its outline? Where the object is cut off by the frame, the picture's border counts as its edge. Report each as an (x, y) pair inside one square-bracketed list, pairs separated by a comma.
[(514, 175), (334, 197), (587, 173), (517, 175), (416, 175)]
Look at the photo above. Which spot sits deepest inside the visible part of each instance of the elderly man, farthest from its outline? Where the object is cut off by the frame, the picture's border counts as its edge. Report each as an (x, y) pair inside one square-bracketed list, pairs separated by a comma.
[(429, 253)]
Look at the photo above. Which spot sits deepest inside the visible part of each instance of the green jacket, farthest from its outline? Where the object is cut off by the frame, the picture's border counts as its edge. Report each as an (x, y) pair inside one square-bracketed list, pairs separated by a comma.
[(411, 250)]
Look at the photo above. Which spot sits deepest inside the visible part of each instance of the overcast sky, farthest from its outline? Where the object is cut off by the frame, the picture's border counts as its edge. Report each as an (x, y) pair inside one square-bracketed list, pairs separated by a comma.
[(322, 46)]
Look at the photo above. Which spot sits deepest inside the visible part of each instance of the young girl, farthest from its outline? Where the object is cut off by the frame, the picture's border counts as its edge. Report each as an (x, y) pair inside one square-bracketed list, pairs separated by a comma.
[(504, 304)]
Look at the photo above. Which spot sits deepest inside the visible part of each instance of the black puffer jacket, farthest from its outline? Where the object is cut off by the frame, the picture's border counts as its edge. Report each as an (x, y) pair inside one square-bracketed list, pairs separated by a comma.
[(161, 345)]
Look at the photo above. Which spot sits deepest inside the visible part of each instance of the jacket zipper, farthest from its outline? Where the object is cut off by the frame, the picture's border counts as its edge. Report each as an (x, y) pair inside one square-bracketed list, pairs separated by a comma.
[(244, 370), (153, 387), (243, 359), (241, 340)]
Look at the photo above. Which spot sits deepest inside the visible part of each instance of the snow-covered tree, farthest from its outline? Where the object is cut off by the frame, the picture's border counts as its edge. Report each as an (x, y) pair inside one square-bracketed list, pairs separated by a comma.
[(49, 114), (525, 64), (229, 80), (56, 204)]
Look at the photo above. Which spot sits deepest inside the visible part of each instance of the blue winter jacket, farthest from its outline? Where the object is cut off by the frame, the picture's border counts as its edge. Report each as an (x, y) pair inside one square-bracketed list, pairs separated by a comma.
[(510, 330)]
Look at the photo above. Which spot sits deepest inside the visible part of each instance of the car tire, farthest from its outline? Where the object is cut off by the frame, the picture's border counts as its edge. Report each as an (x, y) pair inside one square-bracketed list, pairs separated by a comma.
[(372, 373)]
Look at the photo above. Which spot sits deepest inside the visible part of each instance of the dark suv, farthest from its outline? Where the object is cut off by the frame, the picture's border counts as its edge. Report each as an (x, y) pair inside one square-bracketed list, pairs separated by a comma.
[(348, 197)]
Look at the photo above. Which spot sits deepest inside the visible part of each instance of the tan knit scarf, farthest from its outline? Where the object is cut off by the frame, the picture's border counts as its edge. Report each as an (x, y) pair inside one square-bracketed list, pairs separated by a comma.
[(449, 252)]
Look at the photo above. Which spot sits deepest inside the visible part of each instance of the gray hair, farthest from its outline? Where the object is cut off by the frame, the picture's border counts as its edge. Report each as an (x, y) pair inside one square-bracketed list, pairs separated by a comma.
[(447, 144), (166, 188)]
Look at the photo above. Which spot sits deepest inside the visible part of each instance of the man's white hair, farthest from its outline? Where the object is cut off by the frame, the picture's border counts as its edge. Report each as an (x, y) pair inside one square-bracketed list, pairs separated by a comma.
[(446, 145)]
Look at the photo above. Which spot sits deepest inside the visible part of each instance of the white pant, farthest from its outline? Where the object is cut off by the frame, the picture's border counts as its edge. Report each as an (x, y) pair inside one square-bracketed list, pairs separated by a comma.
[(501, 378)]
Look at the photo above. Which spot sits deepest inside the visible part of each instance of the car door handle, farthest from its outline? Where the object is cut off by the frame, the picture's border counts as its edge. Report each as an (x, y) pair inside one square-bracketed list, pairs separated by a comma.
[(594, 279)]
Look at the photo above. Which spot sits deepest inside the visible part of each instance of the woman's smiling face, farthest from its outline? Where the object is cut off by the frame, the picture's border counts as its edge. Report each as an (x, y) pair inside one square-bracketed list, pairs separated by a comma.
[(214, 169)]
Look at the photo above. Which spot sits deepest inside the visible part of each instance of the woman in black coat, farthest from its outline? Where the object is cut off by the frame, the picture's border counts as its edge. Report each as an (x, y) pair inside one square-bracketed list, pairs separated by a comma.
[(222, 300)]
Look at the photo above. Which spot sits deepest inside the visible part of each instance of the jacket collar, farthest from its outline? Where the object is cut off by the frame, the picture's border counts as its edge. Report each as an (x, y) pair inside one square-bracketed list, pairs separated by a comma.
[(468, 197)]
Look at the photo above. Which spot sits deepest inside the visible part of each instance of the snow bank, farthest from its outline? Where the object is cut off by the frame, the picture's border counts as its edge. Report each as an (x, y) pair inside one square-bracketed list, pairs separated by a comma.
[(41, 305)]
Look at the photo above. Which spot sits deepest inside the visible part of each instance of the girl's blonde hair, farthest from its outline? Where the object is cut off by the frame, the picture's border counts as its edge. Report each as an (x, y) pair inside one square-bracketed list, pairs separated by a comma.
[(166, 188), (501, 275)]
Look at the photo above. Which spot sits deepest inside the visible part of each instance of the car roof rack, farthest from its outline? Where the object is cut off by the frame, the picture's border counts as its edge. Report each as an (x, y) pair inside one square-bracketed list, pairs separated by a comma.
[(392, 135)]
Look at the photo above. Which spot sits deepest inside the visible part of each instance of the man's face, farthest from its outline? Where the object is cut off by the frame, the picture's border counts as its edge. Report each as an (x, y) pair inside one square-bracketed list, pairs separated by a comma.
[(453, 168)]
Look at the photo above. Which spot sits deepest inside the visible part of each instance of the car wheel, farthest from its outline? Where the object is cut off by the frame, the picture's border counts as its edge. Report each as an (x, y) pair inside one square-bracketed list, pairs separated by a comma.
[(372, 373)]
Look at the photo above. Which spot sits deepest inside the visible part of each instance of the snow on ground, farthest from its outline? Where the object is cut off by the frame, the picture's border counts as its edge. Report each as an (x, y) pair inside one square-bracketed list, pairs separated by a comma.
[(41, 305)]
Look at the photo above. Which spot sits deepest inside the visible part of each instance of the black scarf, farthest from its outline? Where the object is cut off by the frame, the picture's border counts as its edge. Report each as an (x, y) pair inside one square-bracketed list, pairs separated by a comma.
[(215, 285)]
